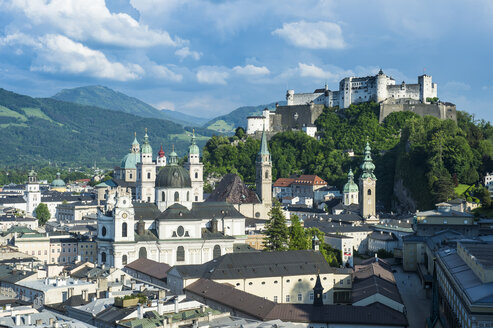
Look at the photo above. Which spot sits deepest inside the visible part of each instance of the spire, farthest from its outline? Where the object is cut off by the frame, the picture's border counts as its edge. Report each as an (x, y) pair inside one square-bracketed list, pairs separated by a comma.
[(193, 149), (264, 149), (135, 139), (161, 152), (368, 165), (146, 146), (318, 292)]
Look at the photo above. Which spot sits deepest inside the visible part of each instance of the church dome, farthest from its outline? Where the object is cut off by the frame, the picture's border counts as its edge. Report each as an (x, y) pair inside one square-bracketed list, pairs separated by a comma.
[(130, 161), (58, 182), (173, 176), (350, 186)]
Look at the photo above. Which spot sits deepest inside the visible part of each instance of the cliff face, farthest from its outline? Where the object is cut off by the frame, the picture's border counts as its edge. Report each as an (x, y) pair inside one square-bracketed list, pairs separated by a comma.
[(402, 201)]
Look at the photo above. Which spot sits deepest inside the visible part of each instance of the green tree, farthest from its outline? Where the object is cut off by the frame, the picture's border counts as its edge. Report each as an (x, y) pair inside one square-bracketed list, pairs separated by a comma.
[(276, 230), (42, 213), (298, 239), (240, 132)]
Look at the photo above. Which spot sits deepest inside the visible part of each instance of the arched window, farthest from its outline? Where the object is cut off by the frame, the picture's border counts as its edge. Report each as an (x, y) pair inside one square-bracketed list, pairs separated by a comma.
[(266, 174), (196, 175), (163, 197), (142, 253), (103, 257), (177, 196), (188, 196), (369, 192), (180, 254), (148, 175), (124, 229), (103, 231), (216, 252), (124, 260)]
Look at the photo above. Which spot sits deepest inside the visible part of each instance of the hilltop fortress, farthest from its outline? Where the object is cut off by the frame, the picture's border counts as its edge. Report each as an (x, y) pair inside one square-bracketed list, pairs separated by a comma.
[(302, 109)]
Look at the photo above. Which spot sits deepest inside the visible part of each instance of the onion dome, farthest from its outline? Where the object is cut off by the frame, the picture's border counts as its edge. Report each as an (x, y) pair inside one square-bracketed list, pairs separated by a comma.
[(173, 157), (58, 182), (146, 147), (368, 167), (194, 149), (161, 152), (350, 186)]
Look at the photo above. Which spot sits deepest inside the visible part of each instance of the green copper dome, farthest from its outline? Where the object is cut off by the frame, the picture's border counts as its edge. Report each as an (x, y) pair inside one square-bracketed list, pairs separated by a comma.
[(173, 176), (58, 182), (368, 167), (173, 157), (350, 186), (146, 147), (194, 149), (130, 161)]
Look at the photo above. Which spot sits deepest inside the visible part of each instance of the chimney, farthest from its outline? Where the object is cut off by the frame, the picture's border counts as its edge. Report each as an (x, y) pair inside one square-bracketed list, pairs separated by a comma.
[(160, 307), (176, 305), (140, 311), (161, 294)]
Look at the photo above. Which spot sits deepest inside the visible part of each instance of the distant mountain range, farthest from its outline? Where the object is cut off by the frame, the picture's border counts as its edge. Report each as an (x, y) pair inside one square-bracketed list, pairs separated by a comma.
[(104, 97), (35, 131)]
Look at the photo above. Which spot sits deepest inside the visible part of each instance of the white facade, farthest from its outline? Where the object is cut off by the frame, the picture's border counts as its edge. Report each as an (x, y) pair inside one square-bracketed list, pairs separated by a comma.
[(259, 123), (488, 182), (343, 243)]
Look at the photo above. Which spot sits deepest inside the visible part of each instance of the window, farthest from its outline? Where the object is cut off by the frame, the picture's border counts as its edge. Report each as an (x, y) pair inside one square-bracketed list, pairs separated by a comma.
[(288, 298), (142, 253), (188, 196), (75, 250), (341, 282), (46, 252), (130, 177), (196, 198), (275, 299), (216, 252), (124, 229), (196, 175), (177, 196), (300, 297), (39, 252), (311, 296), (163, 198), (103, 231), (53, 250), (180, 254), (124, 260), (266, 174), (369, 192), (148, 175)]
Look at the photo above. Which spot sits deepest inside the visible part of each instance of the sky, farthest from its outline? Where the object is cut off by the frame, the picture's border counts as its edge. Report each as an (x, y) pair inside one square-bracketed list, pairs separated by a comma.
[(206, 58)]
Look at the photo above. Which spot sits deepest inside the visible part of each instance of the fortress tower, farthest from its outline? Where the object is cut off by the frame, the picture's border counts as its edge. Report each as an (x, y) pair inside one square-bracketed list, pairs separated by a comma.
[(264, 173), (367, 184)]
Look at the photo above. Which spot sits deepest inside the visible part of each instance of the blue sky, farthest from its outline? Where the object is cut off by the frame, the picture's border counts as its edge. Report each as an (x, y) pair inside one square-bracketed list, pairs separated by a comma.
[(206, 58)]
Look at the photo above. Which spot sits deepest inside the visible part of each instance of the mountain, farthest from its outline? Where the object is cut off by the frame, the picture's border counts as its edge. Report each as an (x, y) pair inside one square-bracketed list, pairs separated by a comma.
[(38, 130), (100, 96), (229, 122)]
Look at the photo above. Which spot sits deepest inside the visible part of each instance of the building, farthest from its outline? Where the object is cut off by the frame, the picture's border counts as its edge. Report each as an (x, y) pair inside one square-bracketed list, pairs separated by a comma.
[(444, 217), (378, 240), (281, 277), (148, 271), (58, 184), (465, 284), (367, 185), (72, 212), (350, 192), (344, 244), (302, 109)]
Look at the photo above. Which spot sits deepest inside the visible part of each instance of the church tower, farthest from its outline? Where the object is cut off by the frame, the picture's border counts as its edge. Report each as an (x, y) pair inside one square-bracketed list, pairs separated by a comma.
[(32, 195), (263, 179), (161, 159), (350, 191), (146, 173), (196, 169), (367, 184)]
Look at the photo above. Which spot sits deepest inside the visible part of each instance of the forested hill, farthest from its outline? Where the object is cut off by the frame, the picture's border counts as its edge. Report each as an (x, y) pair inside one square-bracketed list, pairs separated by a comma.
[(104, 97), (34, 131), (419, 161)]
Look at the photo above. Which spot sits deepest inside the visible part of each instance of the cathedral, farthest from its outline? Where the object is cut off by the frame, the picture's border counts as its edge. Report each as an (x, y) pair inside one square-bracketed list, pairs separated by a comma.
[(156, 210)]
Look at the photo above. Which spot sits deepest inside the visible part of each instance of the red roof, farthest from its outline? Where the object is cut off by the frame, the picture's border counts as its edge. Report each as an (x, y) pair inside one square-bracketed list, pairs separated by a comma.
[(161, 152), (283, 182), (83, 180), (310, 180)]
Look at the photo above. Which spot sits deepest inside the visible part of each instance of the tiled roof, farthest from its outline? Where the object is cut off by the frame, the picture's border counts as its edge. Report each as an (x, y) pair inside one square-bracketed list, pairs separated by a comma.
[(149, 267), (283, 182), (310, 180), (232, 190)]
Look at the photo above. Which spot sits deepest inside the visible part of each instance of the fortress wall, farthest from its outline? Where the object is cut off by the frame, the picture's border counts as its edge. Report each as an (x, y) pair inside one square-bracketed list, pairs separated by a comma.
[(305, 98), (305, 115), (441, 111)]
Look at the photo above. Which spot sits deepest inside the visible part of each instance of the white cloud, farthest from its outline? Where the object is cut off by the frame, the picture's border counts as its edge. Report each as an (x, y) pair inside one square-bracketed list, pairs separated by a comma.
[(84, 20), (251, 70), (319, 35), (165, 105), (165, 73), (57, 53), (185, 52), (212, 75)]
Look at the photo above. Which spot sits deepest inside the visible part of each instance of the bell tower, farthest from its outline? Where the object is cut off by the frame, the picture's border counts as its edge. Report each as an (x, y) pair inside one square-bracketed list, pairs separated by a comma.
[(263, 181), (32, 195), (146, 173), (196, 169), (367, 184)]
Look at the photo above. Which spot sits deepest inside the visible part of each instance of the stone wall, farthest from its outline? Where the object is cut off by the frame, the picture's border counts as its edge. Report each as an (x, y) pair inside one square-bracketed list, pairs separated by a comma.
[(441, 110)]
